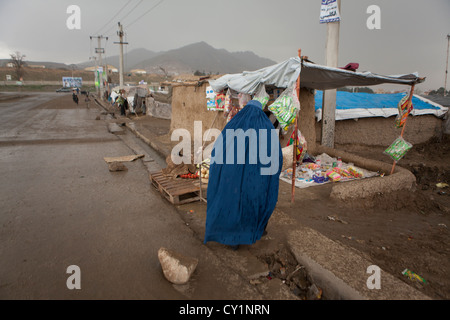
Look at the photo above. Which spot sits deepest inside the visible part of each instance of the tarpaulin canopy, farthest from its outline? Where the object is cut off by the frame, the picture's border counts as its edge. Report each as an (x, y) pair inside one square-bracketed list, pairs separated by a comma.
[(313, 76), (132, 90), (280, 75)]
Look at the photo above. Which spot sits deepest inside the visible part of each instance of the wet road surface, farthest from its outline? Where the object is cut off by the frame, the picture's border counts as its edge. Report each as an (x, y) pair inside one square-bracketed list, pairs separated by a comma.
[(61, 206)]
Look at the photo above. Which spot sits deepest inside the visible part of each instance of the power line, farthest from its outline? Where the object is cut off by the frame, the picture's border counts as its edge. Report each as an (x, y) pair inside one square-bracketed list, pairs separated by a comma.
[(161, 1), (126, 15), (131, 10), (120, 10)]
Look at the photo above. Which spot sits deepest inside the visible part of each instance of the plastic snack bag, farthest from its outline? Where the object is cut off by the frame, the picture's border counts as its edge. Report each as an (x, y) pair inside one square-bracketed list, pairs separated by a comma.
[(355, 172), (344, 173), (333, 176), (301, 145), (285, 108), (403, 111), (243, 98), (210, 99), (228, 103), (413, 276), (398, 149), (220, 101), (262, 96)]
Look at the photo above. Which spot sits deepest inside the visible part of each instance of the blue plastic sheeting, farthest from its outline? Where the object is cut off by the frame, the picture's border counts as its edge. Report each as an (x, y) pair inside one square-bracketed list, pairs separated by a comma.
[(240, 198), (352, 105)]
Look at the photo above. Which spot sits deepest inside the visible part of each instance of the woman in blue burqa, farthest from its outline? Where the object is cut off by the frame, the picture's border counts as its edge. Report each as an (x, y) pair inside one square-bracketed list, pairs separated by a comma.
[(242, 192)]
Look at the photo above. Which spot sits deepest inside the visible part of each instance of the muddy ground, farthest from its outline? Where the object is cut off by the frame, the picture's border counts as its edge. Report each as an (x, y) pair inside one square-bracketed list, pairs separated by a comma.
[(396, 231)]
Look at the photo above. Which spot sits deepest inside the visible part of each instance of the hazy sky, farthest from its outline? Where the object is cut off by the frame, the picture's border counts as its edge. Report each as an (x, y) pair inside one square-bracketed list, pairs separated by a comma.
[(413, 34)]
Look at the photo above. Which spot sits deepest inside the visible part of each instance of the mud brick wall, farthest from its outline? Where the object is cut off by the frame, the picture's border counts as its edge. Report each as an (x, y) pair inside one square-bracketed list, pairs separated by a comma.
[(189, 105), (382, 131)]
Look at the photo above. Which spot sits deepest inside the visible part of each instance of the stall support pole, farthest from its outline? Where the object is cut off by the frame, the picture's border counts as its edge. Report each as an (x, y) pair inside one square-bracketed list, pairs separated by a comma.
[(411, 93), (295, 144), (201, 163)]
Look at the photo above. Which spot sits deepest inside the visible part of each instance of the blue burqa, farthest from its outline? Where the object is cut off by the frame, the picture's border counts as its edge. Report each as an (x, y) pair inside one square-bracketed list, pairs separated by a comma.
[(243, 178)]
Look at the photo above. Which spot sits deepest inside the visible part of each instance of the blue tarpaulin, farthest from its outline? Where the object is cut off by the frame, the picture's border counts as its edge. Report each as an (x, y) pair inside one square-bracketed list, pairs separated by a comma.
[(353, 105)]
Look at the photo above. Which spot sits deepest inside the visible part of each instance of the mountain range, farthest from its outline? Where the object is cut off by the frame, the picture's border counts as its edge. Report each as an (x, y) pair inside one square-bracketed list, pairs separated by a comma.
[(198, 56)]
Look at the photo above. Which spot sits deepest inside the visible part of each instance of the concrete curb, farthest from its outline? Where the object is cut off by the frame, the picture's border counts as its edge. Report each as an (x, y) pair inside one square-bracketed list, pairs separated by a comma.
[(342, 272), (162, 151)]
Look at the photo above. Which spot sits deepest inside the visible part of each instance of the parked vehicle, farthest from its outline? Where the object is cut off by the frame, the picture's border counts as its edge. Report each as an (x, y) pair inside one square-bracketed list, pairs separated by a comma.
[(64, 89)]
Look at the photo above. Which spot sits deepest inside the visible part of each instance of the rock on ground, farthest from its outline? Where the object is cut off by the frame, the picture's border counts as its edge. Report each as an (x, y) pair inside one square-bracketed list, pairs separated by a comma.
[(117, 166), (176, 267)]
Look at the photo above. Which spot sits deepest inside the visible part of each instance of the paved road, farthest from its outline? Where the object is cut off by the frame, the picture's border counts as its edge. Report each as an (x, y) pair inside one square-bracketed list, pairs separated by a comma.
[(61, 206)]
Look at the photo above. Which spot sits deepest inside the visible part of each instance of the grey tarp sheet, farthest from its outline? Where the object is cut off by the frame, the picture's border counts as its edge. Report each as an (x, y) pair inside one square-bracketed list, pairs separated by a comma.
[(313, 76)]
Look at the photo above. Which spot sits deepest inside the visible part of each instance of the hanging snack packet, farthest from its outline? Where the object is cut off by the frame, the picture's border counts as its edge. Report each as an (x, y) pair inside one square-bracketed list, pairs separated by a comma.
[(262, 96), (404, 109), (220, 101), (398, 149), (301, 145), (228, 104), (210, 98), (285, 108), (243, 98)]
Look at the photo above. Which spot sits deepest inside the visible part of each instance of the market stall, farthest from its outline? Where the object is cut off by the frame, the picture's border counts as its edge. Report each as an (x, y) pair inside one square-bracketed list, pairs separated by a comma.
[(230, 92)]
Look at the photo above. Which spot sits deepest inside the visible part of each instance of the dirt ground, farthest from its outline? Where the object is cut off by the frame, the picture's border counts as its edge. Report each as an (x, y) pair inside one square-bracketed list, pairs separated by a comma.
[(397, 231)]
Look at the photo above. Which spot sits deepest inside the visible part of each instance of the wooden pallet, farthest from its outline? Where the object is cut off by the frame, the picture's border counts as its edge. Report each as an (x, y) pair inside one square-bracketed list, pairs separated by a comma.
[(177, 191)]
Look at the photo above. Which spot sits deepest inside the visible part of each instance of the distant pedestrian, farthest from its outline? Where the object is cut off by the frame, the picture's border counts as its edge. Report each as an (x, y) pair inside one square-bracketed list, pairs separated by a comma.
[(125, 106), (144, 107), (121, 104), (75, 97), (87, 100)]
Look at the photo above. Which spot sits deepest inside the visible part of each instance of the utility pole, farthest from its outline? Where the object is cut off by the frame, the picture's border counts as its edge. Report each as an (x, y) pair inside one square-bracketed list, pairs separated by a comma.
[(446, 66), (99, 50), (121, 43), (329, 96)]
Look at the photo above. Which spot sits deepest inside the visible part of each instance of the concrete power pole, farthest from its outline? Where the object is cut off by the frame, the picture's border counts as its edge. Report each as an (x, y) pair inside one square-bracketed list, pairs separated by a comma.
[(99, 50), (121, 43), (329, 96), (446, 66)]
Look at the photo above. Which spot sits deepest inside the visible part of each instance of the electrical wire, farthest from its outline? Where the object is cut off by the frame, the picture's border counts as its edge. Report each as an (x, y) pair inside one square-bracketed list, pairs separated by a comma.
[(110, 20), (123, 18), (126, 15), (146, 12)]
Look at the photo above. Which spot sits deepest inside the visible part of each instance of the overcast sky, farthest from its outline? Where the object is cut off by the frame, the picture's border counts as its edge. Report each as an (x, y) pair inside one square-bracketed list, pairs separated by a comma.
[(413, 34)]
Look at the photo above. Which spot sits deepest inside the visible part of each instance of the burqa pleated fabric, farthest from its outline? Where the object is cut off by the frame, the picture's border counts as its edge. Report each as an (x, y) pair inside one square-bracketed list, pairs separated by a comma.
[(240, 199)]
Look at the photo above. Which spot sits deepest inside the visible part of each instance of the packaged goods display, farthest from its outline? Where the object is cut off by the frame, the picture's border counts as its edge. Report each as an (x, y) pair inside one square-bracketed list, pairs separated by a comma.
[(322, 171)]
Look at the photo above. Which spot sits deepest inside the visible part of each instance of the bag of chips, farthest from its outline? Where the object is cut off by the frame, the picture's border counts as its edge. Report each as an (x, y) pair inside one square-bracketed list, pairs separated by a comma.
[(301, 145), (286, 107), (243, 98), (220, 101), (398, 149), (262, 96)]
